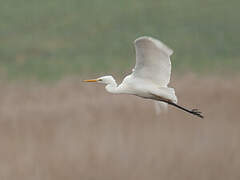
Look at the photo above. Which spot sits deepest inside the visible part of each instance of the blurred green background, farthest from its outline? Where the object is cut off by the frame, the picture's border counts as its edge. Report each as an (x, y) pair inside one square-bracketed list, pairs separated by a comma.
[(51, 39)]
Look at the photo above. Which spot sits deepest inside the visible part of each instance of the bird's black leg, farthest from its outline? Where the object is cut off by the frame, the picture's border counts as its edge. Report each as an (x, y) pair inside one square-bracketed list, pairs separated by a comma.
[(195, 112)]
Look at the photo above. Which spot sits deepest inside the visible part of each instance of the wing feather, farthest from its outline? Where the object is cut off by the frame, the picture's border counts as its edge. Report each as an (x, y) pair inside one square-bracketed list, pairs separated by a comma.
[(152, 60)]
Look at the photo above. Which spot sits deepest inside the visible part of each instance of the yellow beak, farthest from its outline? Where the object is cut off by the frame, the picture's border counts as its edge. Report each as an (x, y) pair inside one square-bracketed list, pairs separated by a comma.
[(91, 80)]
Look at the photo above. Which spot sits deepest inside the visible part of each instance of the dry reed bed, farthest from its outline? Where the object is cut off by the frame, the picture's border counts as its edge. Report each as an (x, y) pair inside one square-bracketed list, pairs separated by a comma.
[(71, 130)]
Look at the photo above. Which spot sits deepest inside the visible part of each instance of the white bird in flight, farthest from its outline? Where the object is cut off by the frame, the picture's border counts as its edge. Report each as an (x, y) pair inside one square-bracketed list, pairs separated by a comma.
[(150, 77)]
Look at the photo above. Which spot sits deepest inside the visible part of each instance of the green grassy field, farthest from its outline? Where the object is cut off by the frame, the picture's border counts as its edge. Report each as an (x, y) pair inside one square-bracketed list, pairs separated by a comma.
[(51, 39)]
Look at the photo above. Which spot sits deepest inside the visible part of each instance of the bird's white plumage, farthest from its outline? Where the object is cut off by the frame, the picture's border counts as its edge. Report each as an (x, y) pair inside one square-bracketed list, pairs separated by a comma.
[(152, 61), (150, 77)]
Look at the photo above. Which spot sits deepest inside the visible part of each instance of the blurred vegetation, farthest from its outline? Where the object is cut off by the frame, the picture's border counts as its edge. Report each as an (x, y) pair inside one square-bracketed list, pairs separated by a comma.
[(49, 39)]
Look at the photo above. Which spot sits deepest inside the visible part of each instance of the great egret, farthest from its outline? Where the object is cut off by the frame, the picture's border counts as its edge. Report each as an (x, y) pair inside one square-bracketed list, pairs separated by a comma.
[(150, 77)]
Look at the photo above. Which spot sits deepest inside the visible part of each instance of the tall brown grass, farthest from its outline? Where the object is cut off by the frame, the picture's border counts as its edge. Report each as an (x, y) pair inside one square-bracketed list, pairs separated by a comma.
[(72, 130)]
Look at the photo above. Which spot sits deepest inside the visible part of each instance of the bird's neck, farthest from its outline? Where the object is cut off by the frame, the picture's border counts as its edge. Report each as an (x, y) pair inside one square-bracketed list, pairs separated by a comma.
[(113, 88)]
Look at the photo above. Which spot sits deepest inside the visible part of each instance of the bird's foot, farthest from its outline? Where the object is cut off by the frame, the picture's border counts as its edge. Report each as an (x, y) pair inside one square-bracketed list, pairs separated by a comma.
[(197, 113)]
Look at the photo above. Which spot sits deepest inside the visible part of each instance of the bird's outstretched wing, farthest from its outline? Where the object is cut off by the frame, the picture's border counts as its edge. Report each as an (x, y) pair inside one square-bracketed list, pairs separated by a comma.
[(152, 60)]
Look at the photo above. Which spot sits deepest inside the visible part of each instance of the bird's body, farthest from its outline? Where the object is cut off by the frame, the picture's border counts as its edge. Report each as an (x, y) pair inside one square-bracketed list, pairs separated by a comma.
[(142, 88), (151, 75)]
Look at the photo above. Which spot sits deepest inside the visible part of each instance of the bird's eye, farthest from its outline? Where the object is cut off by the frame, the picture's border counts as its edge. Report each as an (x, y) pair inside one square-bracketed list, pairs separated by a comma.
[(99, 79)]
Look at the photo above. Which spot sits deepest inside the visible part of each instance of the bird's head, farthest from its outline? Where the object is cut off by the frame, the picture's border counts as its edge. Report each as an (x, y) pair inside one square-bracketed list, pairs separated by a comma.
[(103, 80)]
